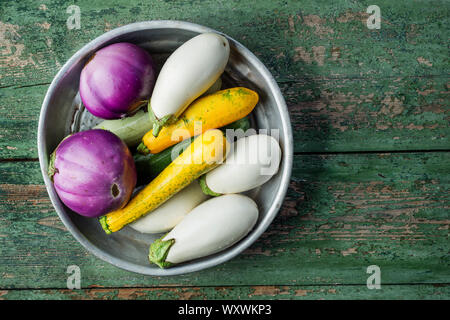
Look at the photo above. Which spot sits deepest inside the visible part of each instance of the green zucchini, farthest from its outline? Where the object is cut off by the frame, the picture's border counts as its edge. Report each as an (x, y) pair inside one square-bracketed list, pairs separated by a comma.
[(243, 124), (130, 129), (150, 165)]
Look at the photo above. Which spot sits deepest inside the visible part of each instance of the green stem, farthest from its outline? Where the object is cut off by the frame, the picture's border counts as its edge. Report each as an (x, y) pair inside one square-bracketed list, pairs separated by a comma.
[(159, 123), (104, 224), (51, 166), (206, 190), (158, 252), (51, 171), (142, 149)]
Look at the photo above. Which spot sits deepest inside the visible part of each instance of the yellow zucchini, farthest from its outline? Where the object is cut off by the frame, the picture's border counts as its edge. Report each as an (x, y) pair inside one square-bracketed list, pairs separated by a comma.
[(210, 112), (205, 153)]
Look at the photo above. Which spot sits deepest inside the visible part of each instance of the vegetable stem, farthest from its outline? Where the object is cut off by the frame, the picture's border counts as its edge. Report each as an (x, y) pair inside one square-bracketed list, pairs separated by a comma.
[(159, 123), (142, 149), (158, 252), (104, 224), (206, 190), (51, 166)]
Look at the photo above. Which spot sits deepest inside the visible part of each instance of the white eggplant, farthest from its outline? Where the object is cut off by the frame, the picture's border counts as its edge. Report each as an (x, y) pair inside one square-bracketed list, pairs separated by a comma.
[(169, 214), (188, 73), (213, 226), (252, 161)]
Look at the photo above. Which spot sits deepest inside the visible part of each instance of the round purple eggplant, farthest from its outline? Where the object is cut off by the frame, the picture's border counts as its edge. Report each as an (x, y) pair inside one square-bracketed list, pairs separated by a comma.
[(93, 172), (116, 80)]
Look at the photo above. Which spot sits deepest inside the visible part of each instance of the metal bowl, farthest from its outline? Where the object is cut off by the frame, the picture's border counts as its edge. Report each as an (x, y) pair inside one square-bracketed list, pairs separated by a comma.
[(62, 113)]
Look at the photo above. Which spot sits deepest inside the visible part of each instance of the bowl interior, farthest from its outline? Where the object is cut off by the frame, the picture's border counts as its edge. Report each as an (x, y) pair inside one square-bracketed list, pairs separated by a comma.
[(64, 114)]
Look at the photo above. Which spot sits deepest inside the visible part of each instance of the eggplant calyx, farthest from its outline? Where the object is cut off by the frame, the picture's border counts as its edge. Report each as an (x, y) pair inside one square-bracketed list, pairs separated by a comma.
[(158, 124), (51, 171), (158, 252), (135, 108), (206, 190), (51, 166), (104, 225)]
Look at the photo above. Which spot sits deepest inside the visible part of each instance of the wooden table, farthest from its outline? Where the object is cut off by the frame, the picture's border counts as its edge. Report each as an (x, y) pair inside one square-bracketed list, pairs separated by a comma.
[(371, 177)]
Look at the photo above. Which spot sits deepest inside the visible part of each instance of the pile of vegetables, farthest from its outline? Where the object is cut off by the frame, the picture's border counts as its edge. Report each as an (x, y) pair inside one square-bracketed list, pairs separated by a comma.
[(166, 134)]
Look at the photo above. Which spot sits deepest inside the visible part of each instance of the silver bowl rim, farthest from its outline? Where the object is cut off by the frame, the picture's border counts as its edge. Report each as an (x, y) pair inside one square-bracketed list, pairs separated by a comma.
[(195, 265)]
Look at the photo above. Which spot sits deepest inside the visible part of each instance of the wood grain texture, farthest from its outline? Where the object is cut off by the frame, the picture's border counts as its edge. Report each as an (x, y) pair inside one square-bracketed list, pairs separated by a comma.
[(342, 214), (295, 39), (403, 292), (348, 88)]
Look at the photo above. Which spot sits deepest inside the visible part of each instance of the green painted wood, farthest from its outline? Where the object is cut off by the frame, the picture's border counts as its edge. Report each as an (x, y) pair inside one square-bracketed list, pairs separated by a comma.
[(295, 39), (402, 292), (342, 214), (348, 88)]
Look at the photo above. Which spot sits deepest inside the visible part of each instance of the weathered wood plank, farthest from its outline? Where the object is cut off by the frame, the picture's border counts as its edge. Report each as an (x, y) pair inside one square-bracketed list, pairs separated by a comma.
[(295, 39), (19, 115), (342, 214), (369, 115), (400, 292)]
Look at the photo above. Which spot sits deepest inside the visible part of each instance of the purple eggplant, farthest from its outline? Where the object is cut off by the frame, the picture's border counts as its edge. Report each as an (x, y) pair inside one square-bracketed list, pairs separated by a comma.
[(93, 172), (116, 80)]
